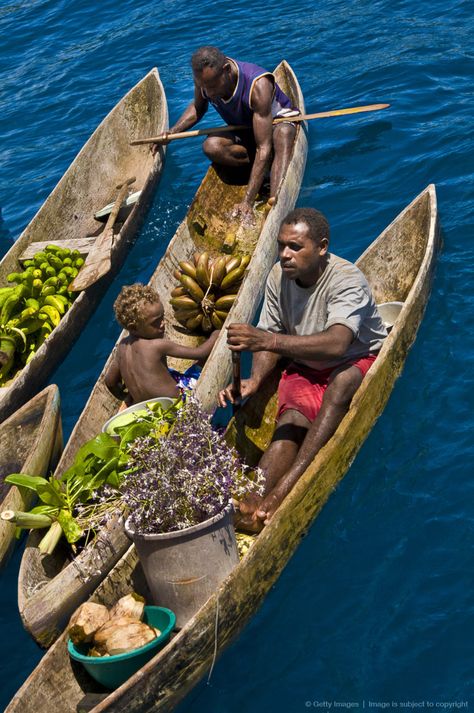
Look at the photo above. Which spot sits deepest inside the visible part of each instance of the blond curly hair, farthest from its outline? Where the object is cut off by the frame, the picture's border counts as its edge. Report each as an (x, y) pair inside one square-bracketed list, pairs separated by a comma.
[(127, 306)]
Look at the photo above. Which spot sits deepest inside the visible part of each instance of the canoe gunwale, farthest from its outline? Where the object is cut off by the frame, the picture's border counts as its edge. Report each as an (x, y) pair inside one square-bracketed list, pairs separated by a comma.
[(46, 442)]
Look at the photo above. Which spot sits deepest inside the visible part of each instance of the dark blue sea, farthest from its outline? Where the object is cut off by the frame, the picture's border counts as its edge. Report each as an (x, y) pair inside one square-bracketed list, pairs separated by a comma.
[(376, 606)]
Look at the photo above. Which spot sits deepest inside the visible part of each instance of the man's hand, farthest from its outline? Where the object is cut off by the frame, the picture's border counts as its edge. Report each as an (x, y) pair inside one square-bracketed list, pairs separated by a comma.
[(244, 337), (248, 387), (243, 212), (162, 141)]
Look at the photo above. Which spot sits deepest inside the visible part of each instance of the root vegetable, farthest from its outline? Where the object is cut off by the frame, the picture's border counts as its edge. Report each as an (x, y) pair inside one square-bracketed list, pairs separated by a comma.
[(132, 605), (86, 620), (122, 634)]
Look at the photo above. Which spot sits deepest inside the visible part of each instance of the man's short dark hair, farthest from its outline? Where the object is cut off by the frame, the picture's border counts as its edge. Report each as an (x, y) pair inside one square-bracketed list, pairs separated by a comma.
[(207, 56), (317, 223)]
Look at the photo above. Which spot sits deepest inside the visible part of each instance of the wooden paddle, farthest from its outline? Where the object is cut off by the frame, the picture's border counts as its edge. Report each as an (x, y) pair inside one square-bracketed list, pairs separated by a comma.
[(98, 261), (222, 129), (236, 391)]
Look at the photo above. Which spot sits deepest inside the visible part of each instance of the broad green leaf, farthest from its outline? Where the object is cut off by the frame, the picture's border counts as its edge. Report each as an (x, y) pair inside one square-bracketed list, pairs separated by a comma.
[(138, 430), (103, 446), (26, 481), (45, 510), (114, 479), (49, 495), (71, 529)]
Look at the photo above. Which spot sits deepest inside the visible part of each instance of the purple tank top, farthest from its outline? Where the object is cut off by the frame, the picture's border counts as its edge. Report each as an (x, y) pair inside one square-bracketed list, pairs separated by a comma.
[(237, 109)]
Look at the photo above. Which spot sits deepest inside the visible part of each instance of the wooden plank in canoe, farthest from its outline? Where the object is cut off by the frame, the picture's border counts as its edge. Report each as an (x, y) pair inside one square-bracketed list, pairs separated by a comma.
[(45, 612), (68, 215), (83, 245), (411, 242)]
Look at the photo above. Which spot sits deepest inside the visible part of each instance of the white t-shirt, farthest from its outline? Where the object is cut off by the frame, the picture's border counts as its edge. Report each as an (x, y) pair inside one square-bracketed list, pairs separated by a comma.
[(340, 296)]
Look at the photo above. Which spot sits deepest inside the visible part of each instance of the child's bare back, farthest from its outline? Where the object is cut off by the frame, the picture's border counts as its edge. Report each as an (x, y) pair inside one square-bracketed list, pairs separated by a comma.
[(139, 369), (143, 368)]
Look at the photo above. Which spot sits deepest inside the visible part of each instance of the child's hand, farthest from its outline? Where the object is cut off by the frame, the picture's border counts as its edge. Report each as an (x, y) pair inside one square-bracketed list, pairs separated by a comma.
[(214, 335)]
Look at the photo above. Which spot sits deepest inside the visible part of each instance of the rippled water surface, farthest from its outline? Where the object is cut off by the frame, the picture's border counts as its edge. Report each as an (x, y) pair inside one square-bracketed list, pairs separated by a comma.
[(376, 605)]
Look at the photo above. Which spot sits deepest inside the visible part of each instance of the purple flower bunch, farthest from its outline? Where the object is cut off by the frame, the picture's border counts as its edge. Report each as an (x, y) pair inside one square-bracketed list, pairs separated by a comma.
[(182, 479)]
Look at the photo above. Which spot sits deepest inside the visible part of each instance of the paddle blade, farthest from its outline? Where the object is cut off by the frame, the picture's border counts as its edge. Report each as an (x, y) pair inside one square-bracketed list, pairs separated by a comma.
[(96, 265)]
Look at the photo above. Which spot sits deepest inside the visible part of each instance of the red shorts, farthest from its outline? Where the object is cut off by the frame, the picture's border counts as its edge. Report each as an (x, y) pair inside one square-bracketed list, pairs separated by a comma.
[(302, 388)]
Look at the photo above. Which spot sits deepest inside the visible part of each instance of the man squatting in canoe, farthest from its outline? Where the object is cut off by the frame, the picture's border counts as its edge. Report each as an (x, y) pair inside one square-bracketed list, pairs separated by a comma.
[(319, 312), (138, 370), (243, 94)]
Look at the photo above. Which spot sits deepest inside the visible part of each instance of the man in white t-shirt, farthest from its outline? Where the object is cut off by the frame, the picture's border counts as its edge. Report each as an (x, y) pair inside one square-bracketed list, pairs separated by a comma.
[(319, 312)]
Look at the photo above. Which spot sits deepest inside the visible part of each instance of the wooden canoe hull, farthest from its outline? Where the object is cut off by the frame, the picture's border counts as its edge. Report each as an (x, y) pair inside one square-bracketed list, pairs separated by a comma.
[(31, 442), (68, 214), (171, 674), (47, 598)]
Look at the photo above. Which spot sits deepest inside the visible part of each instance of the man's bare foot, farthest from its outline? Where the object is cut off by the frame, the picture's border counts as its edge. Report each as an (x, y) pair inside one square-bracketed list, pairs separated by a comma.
[(245, 515), (268, 507), (247, 523)]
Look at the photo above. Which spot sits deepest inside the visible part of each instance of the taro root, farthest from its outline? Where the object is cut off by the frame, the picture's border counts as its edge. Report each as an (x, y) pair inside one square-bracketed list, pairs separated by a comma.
[(100, 636), (86, 620), (132, 605), (122, 634)]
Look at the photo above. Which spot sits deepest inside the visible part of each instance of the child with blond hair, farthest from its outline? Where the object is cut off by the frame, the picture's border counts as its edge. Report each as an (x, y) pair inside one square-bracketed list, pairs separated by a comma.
[(139, 369)]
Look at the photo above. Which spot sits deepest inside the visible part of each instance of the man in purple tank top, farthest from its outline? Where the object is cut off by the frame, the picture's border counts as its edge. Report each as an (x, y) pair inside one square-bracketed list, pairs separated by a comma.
[(243, 94)]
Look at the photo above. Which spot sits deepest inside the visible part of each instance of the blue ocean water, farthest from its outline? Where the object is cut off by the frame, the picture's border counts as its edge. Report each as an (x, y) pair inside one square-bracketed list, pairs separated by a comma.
[(376, 605)]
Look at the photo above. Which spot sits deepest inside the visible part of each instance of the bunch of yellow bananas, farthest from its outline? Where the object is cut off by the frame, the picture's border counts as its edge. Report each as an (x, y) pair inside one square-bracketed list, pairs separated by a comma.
[(34, 306), (208, 288)]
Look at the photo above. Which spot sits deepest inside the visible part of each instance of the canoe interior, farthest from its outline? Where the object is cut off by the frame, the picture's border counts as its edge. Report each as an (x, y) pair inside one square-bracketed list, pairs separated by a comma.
[(31, 442), (88, 185), (16, 441), (18, 436), (166, 679)]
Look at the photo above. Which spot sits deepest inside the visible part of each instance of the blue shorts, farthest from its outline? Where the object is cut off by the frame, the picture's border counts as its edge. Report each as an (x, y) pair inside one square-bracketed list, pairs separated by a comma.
[(188, 380)]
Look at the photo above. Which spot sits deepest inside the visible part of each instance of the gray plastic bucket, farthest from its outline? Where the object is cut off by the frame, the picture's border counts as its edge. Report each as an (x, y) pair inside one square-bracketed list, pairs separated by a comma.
[(185, 567)]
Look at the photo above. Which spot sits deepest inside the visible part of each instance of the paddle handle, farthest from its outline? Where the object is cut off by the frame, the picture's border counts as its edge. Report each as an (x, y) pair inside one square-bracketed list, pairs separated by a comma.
[(98, 261), (118, 202), (236, 388), (236, 127)]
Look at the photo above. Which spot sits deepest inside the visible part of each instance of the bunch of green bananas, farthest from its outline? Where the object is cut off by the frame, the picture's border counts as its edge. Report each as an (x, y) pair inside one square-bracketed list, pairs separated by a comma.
[(34, 306), (208, 288)]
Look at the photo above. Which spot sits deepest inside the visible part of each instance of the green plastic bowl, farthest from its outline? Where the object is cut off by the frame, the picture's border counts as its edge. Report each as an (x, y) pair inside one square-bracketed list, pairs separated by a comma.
[(112, 671)]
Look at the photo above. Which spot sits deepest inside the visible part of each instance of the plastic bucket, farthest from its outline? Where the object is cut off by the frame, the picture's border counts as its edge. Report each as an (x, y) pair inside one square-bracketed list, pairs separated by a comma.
[(184, 568), (112, 671)]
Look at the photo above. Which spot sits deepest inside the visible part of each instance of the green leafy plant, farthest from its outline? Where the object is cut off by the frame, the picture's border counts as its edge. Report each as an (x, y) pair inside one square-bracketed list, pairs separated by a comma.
[(70, 505)]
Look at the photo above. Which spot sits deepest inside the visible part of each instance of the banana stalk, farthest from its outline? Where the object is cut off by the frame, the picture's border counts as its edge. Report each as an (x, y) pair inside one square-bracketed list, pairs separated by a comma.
[(26, 520), (51, 539)]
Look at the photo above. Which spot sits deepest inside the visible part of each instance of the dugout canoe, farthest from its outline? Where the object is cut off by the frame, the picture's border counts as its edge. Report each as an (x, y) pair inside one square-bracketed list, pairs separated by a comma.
[(399, 266), (67, 217), (50, 590), (31, 442)]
